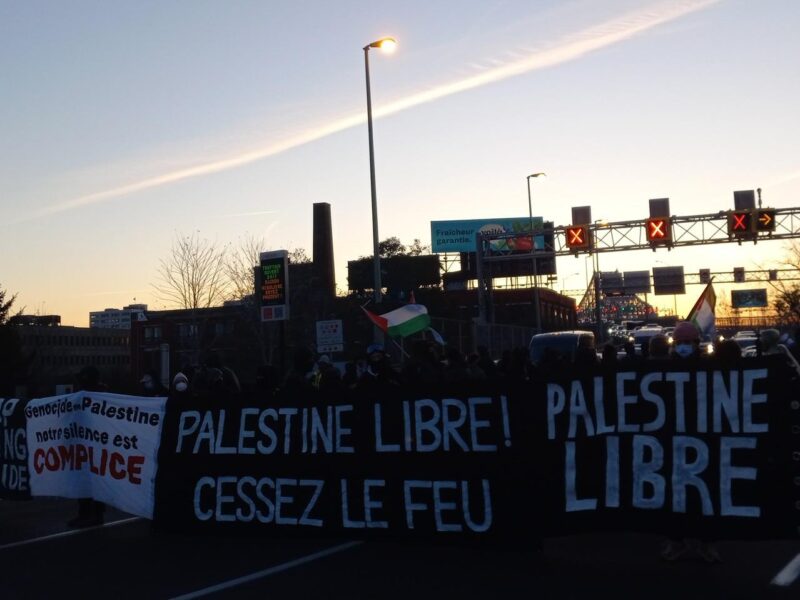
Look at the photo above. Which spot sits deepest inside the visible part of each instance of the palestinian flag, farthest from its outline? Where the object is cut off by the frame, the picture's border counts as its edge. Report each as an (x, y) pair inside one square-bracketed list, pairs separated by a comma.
[(702, 313), (403, 321)]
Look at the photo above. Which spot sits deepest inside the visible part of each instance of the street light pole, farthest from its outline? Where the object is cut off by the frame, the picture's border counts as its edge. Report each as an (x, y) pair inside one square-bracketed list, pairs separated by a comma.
[(597, 292), (388, 45), (537, 316)]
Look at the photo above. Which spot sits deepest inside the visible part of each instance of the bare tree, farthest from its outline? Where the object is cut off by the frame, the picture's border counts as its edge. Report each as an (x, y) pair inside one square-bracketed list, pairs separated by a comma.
[(298, 256), (786, 295), (239, 265), (194, 274), (12, 365), (242, 259), (5, 306)]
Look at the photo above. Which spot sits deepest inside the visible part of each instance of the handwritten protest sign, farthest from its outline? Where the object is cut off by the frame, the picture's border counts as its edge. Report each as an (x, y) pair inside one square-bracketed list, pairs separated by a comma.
[(95, 445)]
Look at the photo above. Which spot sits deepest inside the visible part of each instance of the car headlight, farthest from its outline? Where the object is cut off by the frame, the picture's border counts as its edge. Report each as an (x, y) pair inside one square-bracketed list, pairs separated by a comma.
[(709, 349)]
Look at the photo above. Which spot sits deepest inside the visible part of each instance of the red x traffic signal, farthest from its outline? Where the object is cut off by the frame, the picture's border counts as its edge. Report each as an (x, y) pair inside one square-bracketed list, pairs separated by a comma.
[(739, 222), (658, 229), (577, 237)]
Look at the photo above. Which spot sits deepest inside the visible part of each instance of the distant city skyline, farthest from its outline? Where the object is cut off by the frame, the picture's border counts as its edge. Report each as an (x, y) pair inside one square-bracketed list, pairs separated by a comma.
[(126, 125)]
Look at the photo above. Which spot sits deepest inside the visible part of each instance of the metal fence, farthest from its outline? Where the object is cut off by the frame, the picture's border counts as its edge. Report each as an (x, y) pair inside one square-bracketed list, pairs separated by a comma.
[(467, 336)]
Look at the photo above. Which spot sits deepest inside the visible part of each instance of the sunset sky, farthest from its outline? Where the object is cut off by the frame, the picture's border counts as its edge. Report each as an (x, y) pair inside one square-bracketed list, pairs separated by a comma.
[(123, 125)]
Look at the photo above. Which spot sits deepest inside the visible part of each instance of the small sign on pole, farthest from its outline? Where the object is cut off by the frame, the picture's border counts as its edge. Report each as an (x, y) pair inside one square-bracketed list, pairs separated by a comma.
[(274, 292), (330, 337)]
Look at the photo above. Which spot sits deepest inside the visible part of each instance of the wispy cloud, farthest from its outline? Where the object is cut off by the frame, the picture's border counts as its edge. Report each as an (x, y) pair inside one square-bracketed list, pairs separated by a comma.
[(785, 178), (248, 214), (565, 50)]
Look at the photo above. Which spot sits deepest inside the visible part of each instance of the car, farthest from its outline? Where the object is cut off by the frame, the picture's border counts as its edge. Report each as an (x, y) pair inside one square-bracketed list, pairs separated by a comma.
[(745, 342), (744, 334), (641, 337), (566, 343)]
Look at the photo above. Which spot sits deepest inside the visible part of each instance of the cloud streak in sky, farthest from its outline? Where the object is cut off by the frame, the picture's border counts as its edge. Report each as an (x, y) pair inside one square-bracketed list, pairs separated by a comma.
[(568, 49), (249, 214)]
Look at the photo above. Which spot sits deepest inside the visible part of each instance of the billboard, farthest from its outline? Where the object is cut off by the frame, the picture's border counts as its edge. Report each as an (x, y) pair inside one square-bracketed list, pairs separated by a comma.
[(668, 280), (459, 236), (397, 273), (749, 298), (273, 276), (611, 283), (636, 282)]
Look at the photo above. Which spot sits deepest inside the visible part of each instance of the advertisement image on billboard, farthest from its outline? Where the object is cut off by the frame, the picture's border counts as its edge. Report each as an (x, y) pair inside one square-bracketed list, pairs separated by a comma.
[(459, 236), (749, 298)]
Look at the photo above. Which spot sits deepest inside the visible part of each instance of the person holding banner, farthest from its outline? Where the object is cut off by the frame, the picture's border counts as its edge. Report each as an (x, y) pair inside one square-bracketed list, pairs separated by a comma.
[(90, 511), (686, 338), (769, 341)]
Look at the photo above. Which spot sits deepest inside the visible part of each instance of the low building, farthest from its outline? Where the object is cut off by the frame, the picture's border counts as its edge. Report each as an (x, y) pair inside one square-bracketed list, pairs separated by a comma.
[(167, 341), (55, 356), (117, 318)]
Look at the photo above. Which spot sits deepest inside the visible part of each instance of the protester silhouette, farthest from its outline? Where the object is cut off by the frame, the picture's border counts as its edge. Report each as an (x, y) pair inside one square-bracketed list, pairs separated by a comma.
[(686, 340), (90, 511)]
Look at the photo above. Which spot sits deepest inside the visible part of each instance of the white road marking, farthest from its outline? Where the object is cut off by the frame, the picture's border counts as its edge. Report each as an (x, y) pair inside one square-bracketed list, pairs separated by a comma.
[(267, 572), (67, 533), (789, 573)]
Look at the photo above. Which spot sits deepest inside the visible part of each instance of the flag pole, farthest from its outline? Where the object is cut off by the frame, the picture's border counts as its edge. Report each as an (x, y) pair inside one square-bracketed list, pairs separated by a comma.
[(401, 348)]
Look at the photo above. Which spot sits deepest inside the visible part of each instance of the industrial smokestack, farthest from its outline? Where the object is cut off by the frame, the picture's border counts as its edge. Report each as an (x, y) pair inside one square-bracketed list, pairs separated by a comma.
[(323, 250)]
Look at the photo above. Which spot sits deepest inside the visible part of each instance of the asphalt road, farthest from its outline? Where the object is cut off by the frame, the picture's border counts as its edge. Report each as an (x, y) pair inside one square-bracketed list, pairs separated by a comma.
[(41, 558)]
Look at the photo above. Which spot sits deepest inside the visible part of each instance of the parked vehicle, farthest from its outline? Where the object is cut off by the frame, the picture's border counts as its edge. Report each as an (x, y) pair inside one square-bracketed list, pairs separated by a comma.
[(566, 343), (641, 337), (745, 342), (744, 334)]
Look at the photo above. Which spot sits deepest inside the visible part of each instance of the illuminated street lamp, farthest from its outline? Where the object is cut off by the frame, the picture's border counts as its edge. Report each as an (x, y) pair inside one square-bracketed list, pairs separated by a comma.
[(536, 312), (386, 44), (597, 297), (567, 278)]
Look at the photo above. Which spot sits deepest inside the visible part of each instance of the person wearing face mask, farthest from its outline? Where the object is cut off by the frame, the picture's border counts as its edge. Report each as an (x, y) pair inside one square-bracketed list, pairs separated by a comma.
[(151, 386), (180, 386), (686, 340), (379, 371)]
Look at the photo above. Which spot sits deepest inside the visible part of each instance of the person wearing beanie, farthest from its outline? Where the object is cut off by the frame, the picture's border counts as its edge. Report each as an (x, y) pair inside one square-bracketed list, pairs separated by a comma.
[(686, 340), (769, 343)]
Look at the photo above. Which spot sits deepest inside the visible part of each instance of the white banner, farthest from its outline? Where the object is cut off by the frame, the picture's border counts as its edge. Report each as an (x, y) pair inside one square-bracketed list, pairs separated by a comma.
[(96, 445)]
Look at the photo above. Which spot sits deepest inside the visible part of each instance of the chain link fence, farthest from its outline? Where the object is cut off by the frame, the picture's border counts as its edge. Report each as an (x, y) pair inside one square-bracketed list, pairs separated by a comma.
[(467, 336)]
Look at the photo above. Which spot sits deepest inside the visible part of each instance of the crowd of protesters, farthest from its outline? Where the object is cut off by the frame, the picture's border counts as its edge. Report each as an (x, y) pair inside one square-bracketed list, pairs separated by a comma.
[(430, 364)]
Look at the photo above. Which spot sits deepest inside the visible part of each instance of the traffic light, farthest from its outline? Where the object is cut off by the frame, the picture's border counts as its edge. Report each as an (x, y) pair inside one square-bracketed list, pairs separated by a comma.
[(705, 275), (658, 230), (738, 274), (765, 219), (577, 237), (739, 222)]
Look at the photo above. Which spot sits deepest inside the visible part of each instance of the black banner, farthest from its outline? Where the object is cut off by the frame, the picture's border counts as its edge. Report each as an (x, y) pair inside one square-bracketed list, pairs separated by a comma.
[(384, 465), (700, 449), (14, 478), (693, 452)]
